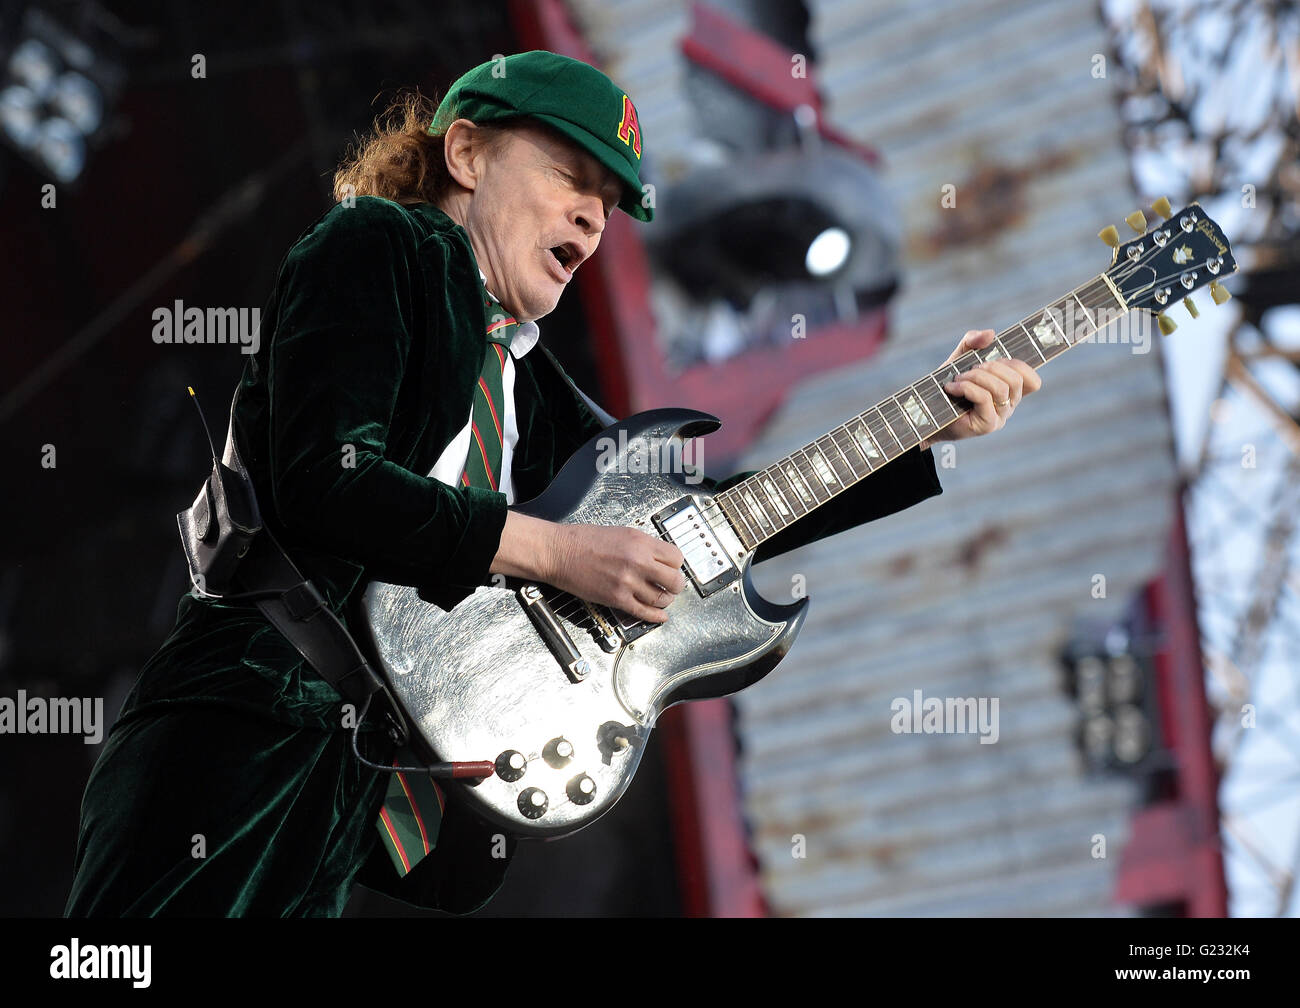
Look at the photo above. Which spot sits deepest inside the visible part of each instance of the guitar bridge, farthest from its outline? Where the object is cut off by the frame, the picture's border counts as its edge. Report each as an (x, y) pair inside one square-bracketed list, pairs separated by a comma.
[(605, 634), (708, 564)]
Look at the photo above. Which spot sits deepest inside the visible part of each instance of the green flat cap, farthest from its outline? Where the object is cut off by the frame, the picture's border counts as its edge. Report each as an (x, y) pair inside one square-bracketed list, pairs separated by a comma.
[(566, 94)]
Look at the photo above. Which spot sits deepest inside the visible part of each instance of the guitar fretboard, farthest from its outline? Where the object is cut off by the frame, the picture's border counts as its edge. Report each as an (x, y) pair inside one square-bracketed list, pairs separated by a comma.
[(778, 496)]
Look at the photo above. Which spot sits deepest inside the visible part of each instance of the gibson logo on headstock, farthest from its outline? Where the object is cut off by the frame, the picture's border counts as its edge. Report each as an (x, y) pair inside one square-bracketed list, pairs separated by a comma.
[(1207, 228)]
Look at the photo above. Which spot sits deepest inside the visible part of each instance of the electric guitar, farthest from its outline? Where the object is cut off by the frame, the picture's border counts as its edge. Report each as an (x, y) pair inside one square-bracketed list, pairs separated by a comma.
[(560, 695)]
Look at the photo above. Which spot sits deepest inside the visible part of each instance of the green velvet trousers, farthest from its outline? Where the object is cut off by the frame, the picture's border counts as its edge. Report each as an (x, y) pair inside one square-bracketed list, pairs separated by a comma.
[(207, 794), (228, 787)]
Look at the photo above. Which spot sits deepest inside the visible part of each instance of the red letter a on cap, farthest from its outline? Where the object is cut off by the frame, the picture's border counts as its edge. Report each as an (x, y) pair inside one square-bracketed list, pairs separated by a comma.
[(629, 127)]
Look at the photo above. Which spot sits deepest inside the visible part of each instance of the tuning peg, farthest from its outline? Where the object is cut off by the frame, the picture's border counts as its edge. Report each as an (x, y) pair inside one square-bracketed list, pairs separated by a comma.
[(1190, 305), (1220, 294), (1167, 325), (1137, 221), (1162, 207), (1110, 236)]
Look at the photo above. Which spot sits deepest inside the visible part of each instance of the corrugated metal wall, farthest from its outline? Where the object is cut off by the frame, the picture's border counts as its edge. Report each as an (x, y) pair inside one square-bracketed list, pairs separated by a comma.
[(974, 593)]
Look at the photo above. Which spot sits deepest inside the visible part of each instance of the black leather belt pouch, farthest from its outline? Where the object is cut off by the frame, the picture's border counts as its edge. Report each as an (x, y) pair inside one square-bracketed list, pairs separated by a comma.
[(218, 528)]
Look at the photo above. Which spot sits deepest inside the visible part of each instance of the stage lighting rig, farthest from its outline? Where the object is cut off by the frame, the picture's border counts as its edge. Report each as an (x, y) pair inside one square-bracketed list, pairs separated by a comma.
[(1112, 680), (792, 216), (57, 87)]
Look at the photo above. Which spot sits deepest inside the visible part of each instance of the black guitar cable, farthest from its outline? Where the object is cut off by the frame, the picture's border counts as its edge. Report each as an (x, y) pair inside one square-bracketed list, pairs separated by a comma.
[(446, 771)]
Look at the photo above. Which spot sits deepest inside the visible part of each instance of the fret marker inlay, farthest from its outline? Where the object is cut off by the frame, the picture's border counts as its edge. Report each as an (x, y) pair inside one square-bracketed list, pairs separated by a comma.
[(863, 438), (1046, 332), (915, 412), (797, 482), (775, 496)]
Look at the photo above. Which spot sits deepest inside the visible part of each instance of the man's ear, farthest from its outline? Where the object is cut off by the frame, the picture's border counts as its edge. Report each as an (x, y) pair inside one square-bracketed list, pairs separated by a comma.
[(460, 147)]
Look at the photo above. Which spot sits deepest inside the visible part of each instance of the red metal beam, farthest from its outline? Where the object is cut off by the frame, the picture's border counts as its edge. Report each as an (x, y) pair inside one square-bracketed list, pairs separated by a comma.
[(755, 64), (716, 872), (749, 60), (719, 873), (1174, 853)]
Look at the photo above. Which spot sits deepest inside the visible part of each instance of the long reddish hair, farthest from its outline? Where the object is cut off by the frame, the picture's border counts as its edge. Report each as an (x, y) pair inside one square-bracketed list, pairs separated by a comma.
[(400, 160)]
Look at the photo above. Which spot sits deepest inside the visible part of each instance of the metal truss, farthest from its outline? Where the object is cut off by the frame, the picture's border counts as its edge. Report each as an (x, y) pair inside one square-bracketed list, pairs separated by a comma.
[(1209, 96)]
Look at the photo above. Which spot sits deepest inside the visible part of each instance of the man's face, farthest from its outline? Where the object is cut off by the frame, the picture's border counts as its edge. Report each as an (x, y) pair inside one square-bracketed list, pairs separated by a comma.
[(535, 214)]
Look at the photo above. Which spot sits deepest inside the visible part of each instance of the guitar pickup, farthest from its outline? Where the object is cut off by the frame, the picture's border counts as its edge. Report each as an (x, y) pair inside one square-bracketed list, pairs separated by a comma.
[(553, 633), (707, 563)]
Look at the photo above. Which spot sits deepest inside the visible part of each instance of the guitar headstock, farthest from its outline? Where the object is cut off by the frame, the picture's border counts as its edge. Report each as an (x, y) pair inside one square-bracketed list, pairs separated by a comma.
[(1169, 260)]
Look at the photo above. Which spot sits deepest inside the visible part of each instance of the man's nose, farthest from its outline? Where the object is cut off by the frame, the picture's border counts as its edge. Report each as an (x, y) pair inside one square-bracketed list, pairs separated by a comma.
[(589, 215)]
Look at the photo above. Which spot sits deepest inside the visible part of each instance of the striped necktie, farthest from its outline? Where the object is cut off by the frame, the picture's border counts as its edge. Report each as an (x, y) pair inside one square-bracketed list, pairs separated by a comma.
[(483, 461), (412, 811)]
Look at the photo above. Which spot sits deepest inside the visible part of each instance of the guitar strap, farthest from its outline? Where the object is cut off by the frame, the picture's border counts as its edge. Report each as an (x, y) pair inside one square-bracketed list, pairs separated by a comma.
[(601, 415)]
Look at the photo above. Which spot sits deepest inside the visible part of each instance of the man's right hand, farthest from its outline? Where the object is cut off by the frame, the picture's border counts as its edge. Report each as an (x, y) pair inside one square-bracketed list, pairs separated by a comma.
[(611, 565)]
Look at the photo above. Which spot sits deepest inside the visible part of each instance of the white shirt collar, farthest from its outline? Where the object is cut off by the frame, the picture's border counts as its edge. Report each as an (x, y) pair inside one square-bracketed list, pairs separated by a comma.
[(525, 337)]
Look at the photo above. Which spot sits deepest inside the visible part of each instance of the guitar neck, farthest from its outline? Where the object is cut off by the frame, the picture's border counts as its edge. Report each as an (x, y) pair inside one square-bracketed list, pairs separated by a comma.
[(778, 496)]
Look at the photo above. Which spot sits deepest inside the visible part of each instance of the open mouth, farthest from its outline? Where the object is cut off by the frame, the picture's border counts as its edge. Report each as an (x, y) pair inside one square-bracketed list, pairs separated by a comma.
[(566, 256)]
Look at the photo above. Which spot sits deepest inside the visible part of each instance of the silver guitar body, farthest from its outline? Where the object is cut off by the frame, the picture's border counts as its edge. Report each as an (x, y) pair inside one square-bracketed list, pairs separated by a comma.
[(565, 716)]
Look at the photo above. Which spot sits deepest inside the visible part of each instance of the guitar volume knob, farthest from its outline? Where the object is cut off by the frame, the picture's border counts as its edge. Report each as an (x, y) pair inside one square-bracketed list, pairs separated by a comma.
[(581, 790), (510, 765), (532, 803), (558, 752)]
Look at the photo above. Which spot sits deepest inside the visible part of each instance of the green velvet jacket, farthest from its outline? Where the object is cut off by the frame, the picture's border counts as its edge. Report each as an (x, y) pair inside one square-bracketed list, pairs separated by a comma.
[(370, 348)]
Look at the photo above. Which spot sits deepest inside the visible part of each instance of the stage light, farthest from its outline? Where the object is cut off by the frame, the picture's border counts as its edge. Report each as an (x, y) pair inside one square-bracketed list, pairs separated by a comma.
[(793, 216), (1125, 681), (1090, 676), (828, 252), (1098, 734), (61, 149), (56, 91), (34, 65), (1132, 734), (80, 101), (811, 232), (1111, 680), (19, 115)]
